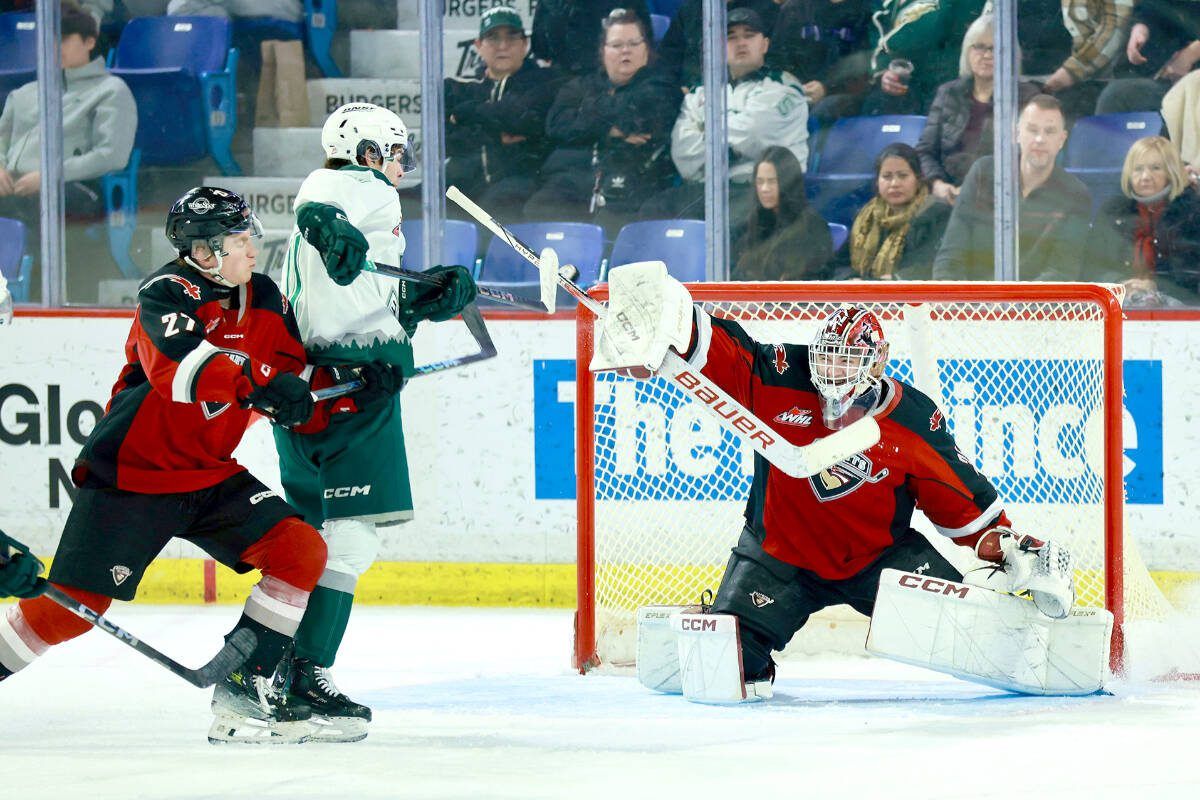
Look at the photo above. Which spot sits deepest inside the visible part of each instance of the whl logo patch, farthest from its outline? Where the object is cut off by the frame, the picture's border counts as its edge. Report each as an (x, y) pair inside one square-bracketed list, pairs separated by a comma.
[(120, 573), (795, 416), (844, 477), (760, 600)]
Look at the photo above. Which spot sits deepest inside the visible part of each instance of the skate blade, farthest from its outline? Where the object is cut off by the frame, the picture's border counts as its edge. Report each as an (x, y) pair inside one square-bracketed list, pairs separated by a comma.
[(243, 730), (337, 729)]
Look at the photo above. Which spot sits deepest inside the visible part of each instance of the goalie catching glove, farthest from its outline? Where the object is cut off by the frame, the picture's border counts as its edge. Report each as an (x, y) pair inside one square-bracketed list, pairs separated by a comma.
[(420, 301), (342, 246), (1043, 569), (648, 312)]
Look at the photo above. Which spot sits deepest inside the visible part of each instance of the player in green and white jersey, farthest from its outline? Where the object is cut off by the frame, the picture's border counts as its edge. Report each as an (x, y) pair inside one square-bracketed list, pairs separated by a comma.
[(353, 475)]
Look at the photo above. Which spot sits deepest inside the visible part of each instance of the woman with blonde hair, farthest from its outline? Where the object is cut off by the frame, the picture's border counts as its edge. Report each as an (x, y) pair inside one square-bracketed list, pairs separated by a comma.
[(1149, 236)]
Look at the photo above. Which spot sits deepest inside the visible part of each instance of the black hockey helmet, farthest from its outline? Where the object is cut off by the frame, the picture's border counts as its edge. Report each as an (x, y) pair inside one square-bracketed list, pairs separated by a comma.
[(208, 214)]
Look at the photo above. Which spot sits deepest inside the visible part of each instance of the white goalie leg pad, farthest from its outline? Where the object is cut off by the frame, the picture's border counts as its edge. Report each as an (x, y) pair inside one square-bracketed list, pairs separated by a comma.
[(648, 312), (988, 637), (710, 660), (657, 652)]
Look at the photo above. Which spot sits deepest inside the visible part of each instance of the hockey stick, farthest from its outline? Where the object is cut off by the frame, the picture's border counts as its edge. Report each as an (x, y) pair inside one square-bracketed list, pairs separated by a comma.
[(798, 461), (330, 392), (492, 293)]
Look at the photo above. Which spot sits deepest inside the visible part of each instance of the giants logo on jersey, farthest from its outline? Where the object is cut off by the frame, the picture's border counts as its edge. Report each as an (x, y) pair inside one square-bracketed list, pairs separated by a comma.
[(796, 416), (189, 288), (781, 364), (844, 477)]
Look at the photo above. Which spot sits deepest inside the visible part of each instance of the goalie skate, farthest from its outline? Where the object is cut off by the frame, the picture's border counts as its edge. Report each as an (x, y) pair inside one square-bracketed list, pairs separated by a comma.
[(335, 717), (254, 710)]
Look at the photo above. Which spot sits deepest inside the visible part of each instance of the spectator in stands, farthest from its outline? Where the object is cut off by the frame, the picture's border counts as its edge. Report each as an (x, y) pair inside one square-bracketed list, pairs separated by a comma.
[(1042, 36), (1163, 46), (1149, 238), (896, 235), (99, 123), (824, 43), (682, 51), (764, 107), (99, 9), (1098, 31), (926, 35), (959, 128), (496, 121), (611, 130), (562, 30), (783, 238), (291, 10), (1054, 208), (1181, 112)]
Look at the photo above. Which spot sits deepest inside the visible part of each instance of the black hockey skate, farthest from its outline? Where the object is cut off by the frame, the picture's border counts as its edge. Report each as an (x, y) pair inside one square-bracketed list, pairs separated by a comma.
[(252, 709), (336, 718)]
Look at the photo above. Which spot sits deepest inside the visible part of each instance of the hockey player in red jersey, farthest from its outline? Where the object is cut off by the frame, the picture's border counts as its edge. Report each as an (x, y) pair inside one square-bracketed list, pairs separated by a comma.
[(211, 341), (809, 543)]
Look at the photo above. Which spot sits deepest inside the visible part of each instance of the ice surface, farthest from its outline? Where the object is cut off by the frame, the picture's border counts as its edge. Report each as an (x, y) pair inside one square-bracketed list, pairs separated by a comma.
[(473, 703)]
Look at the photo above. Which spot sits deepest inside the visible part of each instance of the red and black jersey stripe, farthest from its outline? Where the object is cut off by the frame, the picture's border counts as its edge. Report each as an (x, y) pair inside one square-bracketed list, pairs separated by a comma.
[(174, 417), (838, 522)]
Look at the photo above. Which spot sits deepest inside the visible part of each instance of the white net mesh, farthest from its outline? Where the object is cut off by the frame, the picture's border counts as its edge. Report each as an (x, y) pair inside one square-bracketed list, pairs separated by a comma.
[(1021, 384)]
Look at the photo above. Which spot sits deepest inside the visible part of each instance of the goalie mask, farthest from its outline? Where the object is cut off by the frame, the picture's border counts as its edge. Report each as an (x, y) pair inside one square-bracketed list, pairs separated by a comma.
[(362, 132), (846, 359), (200, 220)]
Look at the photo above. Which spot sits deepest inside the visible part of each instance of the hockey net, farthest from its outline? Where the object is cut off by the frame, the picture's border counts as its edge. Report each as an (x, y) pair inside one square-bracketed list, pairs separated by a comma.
[(1028, 376)]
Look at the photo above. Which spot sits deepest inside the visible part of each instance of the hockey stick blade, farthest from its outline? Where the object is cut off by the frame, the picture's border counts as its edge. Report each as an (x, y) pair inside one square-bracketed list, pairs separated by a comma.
[(798, 461), (475, 324), (235, 651), (490, 292)]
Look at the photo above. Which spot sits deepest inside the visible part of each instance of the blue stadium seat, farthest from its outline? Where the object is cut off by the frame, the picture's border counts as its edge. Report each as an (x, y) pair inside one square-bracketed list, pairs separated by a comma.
[(1095, 151), (677, 242), (460, 241), (18, 51), (121, 206), (181, 72), (840, 233), (842, 165), (320, 23), (577, 243), (659, 23), (665, 7), (15, 264)]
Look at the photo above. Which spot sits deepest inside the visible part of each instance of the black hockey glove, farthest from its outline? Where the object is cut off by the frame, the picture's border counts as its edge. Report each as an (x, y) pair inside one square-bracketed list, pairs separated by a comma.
[(19, 574), (342, 246), (282, 396), (383, 382), (439, 303)]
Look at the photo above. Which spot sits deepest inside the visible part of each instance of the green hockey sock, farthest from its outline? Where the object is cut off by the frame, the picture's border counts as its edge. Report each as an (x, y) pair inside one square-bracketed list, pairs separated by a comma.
[(325, 620)]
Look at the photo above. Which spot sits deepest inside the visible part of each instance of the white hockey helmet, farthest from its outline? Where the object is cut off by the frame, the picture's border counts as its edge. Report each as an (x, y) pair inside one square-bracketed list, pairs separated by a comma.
[(356, 129), (846, 359)]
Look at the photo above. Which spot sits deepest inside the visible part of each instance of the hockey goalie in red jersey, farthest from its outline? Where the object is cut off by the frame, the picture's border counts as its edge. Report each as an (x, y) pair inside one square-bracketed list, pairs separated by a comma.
[(823, 540), (211, 341)]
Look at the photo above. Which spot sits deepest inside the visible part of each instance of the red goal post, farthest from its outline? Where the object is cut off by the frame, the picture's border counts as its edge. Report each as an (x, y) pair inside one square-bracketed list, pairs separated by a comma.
[(1028, 374)]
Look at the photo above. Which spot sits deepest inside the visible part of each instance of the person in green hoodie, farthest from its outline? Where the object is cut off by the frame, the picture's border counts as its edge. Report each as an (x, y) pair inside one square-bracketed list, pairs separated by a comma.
[(99, 123)]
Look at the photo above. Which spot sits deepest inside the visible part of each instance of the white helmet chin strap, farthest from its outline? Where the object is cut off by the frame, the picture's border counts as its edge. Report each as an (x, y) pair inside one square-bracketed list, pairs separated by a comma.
[(213, 274)]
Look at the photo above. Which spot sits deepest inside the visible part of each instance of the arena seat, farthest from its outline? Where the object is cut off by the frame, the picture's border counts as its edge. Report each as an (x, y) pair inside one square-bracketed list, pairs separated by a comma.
[(840, 233), (320, 23), (677, 242), (181, 72), (659, 23), (460, 242), (842, 164), (15, 264), (1096, 148), (577, 243), (18, 51), (120, 207)]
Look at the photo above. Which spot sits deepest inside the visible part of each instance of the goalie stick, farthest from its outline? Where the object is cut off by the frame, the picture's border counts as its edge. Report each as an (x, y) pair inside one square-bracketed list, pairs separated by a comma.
[(797, 461), (235, 651)]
